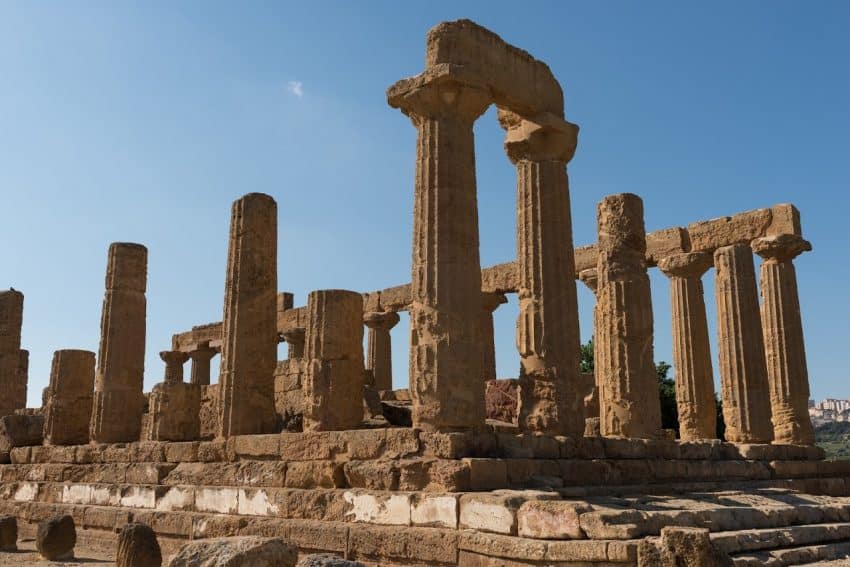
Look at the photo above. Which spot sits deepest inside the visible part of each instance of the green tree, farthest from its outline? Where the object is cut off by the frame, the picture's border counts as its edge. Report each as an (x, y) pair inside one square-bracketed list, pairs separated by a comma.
[(586, 364)]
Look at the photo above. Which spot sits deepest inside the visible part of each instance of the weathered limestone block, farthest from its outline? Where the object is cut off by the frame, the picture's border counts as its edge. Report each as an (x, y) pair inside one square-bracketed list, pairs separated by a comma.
[(118, 400), (446, 381), (13, 375), (327, 560), (19, 430), (174, 361), (56, 537), (743, 372), (69, 403), (379, 359), (785, 351), (201, 358), (244, 551), (175, 408), (547, 328), (501, 398), (138, 547), (625, 369), (208, 413), (681, 547), (295, 341), (691, 349), (491, 302), (8, 533), (333, 381), (249, 349)]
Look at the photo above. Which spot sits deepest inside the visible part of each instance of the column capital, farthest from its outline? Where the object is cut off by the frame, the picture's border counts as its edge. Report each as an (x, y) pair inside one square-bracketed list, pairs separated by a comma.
[(294, 335), (174, 356), (203, 352), (441, 96), (541, 138), (491, 301), (381, 320), (590, 278), (780, 248), (687, 265)]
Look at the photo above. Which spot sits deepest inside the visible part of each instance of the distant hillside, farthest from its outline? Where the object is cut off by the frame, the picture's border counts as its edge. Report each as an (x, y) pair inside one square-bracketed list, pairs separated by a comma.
[(834, 438)]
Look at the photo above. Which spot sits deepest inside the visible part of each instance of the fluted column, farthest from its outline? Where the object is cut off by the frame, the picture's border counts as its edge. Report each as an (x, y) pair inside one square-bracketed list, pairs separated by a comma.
[(490, 303), (625, 368), (201, 358), (380, 354), (785, 351), (551, 397), (67, 414), (446, 383), (13, 360), (743, 373), (691, 349)]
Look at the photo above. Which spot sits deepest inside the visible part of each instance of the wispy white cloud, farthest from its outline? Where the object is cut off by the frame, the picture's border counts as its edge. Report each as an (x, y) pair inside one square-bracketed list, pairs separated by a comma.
[(296, 88)]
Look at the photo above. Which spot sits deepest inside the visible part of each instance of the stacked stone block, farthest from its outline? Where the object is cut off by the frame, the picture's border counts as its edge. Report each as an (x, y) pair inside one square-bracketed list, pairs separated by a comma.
[(70, 396)]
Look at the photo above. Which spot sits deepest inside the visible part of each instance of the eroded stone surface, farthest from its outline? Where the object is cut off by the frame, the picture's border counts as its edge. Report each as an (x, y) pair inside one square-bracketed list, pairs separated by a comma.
[(138, 547), (245, 551), (56, 538), (70, 395), (13, 377)]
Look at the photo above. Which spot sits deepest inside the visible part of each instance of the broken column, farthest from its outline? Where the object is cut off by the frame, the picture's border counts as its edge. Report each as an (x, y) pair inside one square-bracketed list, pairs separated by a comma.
[(13, 360), (174, 361), (743, 373), (249, 338), (334, 381), (118, 399), (201, 358), (379, 359), (446, 383), (69, 402), (785, 351), (625, 369), (490, 303), (691, 351), (174, 405), (548, 341)]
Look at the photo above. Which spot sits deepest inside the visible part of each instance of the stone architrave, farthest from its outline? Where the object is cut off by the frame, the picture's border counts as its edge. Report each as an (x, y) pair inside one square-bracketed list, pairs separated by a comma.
[(551, 400), (174, 361), (691, 350), (446, 383), (743, 372), (333, 356), (625, 369), (13, 361), (201, 358), (488, 335), (785, 351), (294, 338), (70, 395), (379, 359), (118, 397), (249, 337)]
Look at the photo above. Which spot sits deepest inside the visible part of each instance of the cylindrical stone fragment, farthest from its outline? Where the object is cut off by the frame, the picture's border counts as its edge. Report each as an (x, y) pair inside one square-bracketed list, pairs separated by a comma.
[(743, 373), (13, 376), (70, 394), (379, 359), (691, 350), (249, 346), (201, 358), (785, 351), (628, 386), (174, 361), (334, 381), (491, 302), (118, 399)]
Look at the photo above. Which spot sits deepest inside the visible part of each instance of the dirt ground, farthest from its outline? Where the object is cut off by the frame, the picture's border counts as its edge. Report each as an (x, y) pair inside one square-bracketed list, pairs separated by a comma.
[(87, 553)]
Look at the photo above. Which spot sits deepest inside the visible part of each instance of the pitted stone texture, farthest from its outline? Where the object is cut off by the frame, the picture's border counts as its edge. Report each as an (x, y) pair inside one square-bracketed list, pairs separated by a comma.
[(327, 560), (379, 359), (56, 537), (118, 399), (8, 533), (175, 408), (682, 547), (249, 348), (743, 373), (333, 381), (691, 349), (547, 328), (785, 351), (446, 382), (70, 395), (19, 430), (138, 547), (13, 376), (625, 369), (244, 551)]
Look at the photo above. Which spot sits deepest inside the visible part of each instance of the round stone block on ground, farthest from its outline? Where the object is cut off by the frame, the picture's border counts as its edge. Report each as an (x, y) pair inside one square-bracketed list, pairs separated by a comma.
[(327, 560), (244, 551), (56, 538), (138, 547), (8, 533)]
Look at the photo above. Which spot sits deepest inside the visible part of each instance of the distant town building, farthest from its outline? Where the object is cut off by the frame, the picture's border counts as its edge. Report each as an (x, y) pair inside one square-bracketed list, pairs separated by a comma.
[(829, 410)]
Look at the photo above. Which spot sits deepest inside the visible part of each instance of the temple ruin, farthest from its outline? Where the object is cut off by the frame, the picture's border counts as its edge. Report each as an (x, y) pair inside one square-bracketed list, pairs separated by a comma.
[(574, 469)]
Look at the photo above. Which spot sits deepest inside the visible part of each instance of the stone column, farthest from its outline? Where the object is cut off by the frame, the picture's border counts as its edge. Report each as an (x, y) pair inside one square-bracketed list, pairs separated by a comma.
[(69, 401), (488, 335), (446, 383), (551, 400), (295, 342), (249, 345), (743, 373), (379, 359), (591, 400), (174, 361), (333, 381), (785, 351), (118, 398), (691, 351), (13, 382), (625, 368), (201, 358)]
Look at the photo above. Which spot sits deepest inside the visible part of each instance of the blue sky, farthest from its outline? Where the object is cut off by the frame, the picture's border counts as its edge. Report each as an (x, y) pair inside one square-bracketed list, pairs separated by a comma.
[(123, 121)]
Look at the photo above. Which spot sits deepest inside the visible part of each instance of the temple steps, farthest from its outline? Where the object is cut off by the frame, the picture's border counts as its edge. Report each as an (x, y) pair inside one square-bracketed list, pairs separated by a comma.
[(743, 542), (795, 555)]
